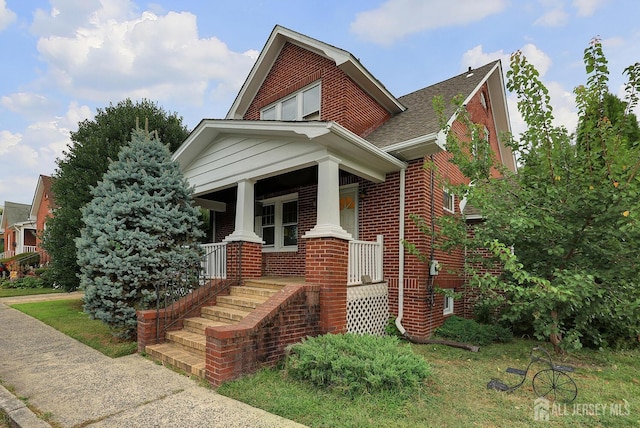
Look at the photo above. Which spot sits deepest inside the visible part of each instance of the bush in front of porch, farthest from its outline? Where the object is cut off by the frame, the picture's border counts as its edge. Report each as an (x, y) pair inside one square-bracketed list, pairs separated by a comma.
[(357, 364)]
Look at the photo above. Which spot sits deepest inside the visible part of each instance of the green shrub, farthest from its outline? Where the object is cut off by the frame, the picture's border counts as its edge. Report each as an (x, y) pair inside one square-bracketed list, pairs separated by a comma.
[(25, 282), (354, 364), (391, 329), (470, 331)]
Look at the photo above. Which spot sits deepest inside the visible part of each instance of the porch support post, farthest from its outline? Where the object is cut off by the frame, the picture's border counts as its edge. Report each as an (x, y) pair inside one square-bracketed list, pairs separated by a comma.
[(326, 265), (328, 202), (327, 250), (244, 214)]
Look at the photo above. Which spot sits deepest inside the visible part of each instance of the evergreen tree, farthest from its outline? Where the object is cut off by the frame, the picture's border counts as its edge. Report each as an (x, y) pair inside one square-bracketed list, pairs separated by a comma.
[(82, 166), (140, 229)]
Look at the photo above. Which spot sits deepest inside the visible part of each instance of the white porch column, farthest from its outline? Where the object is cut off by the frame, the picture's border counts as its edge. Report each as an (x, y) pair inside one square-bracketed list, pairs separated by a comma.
[(328, 202), (244, 214)]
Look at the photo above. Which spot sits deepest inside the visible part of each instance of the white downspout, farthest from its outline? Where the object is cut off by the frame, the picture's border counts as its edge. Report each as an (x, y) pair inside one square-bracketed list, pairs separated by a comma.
[(399, 326)]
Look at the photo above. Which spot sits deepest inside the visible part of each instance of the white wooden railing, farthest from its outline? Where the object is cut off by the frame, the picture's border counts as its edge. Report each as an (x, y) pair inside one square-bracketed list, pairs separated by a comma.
[(215, 262), (365, 260), (28, 248)]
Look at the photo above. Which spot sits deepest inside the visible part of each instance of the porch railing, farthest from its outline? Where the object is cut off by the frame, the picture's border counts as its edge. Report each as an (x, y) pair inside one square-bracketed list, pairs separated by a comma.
[(365, 261), (214, 264), (185, 291)]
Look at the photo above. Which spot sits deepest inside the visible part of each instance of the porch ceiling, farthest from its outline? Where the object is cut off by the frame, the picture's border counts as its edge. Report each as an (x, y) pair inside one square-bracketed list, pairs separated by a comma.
[(218, 153)]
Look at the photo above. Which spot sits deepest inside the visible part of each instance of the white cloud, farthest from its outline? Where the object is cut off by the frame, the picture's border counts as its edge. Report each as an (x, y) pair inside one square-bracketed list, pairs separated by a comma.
[(20, 152), (553, 18), (587, 7), (30, 105), (7, 16), (562, 100), (476, 57), (395, 19), (157, 57), (33, 151)]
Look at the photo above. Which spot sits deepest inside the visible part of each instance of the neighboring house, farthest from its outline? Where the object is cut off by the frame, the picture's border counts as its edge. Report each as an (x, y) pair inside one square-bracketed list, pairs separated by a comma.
[(19, 230), (41, 210), (314, 175)]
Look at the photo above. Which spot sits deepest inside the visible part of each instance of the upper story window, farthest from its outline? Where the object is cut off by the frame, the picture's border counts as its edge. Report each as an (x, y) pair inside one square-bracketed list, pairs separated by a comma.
[(302, 105)]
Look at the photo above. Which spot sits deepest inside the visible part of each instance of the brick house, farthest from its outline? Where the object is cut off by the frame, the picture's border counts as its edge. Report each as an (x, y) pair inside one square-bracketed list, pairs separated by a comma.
[(41, 210), (19, 230), (311, 180)]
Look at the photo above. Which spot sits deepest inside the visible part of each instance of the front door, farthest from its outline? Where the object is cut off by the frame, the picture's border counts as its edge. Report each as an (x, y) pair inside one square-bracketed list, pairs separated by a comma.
[(349, 210)]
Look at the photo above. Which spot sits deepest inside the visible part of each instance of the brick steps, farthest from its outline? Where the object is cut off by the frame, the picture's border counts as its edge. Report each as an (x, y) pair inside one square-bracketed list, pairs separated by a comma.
[(186, 349)]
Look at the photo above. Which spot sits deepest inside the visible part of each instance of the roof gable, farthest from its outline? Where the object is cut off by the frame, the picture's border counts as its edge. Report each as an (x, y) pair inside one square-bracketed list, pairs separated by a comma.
[(342, 59), (42, 193), (405, 132)]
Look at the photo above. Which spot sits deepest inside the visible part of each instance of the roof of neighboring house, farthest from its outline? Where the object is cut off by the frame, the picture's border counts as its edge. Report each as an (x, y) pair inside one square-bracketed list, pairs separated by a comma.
[(42, 193), (15, 213), (420, 118)]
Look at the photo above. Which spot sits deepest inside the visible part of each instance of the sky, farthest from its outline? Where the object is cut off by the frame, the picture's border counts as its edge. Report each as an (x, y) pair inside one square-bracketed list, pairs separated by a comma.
[(60, 60)]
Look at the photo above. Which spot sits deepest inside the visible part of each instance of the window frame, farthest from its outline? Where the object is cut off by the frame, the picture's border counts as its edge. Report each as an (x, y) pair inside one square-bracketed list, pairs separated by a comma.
[(448, 304), (278, 224), (446, 197), (299, 97)]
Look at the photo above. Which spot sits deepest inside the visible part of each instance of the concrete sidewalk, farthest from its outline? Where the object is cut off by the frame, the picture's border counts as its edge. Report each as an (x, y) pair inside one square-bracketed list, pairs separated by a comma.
[(75, 385)]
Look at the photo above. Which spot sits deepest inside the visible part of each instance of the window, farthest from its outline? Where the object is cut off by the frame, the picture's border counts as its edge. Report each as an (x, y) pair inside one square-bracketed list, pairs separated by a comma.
[(277, 223), (303, 105), (448, 303), (448, 200), (480, 143), (483, 100)]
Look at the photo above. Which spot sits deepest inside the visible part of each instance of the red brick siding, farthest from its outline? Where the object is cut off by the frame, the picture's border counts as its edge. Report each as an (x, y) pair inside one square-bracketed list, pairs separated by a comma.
[(261, 338), (326, 265), (343, 101)]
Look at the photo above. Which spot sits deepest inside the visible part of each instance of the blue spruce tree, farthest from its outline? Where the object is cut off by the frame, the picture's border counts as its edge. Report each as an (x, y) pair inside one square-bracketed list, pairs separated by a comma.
[(140, 229)]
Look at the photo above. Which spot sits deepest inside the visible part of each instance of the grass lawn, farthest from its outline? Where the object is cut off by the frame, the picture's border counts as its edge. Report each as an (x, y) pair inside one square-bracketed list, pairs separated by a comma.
[(456, 394), (12, 292), (67, 317)]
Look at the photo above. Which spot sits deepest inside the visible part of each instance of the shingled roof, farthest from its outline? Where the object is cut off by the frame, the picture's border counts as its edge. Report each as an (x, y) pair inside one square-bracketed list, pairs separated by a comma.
[(419, 119), (15, 213)]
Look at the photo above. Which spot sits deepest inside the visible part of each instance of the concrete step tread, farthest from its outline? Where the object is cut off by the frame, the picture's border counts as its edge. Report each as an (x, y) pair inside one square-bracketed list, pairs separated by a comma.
[(248, 290), (231, 313), (186, 336), (267, 284), (242, 301), (204, 322), (177, 357)]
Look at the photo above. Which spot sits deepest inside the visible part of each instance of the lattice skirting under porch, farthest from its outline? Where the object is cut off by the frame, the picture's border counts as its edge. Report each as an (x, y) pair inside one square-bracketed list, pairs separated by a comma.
[(368, 308)]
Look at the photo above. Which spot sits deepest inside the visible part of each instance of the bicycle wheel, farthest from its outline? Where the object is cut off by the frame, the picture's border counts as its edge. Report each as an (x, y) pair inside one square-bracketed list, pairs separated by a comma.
[(554, 385)]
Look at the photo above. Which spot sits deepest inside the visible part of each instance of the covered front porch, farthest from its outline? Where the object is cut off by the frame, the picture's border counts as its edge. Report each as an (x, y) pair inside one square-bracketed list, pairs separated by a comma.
[(282, 185)]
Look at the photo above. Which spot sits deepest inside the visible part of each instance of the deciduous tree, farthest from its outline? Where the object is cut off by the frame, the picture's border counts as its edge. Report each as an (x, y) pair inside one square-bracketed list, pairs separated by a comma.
[(566, 228), (96, 142)]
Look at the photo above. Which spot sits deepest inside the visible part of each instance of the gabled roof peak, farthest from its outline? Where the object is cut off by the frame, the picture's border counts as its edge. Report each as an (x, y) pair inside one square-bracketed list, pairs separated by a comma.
[(342, 58)]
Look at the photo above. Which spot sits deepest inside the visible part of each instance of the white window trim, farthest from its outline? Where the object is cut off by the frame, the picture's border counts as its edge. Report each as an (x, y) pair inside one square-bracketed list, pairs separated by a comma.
[(448, 303), (278, 237), (298, 96), (445, 205)]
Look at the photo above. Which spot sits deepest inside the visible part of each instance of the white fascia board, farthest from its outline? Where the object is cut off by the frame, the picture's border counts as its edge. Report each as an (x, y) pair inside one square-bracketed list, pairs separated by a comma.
[(394, 163), (418, 147), (37, 198)]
